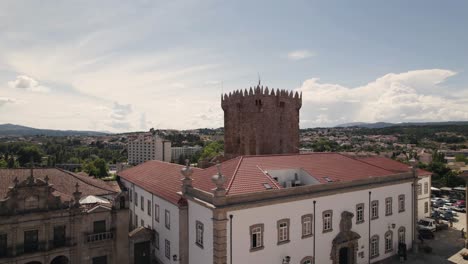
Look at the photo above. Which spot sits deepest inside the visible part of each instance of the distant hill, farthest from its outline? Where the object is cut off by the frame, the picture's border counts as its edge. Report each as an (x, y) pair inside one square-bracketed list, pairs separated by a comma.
[(20, 131), (384, 124)]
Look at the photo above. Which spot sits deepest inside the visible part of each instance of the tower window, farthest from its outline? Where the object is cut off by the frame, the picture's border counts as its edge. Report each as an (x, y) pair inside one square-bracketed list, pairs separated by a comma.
[(281, 104)]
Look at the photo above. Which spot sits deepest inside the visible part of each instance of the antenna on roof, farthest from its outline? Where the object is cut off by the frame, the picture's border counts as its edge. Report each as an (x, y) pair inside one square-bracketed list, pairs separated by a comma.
[(259, 80)]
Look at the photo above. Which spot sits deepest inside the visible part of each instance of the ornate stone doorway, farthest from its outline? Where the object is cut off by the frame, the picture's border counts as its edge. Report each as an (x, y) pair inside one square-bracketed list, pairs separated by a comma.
[(345, 244)]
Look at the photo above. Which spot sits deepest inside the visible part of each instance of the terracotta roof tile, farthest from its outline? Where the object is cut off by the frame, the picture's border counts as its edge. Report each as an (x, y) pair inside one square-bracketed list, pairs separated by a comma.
[(392, 165), (246, 174), (63, 182)]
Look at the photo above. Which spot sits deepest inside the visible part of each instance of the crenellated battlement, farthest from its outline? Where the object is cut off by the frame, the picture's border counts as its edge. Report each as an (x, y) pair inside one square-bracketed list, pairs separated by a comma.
[(260, 120), (263, 91)]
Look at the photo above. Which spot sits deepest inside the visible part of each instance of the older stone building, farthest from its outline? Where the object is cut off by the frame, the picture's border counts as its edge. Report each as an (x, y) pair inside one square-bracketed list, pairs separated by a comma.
[(55, 216), (261, 121)]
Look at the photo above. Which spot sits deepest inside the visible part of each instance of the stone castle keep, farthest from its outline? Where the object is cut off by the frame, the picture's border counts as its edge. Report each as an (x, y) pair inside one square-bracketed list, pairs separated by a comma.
[(261, 121)]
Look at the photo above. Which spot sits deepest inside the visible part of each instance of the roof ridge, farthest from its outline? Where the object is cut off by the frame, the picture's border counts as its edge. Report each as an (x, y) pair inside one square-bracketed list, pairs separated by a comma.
[(288, 154), (234, 175), (76, 177), (269, 178)]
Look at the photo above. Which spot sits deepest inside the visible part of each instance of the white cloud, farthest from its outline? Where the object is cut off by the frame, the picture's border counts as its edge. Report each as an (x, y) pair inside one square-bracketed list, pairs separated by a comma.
[(5, 100), (27, 83), (300, 54), (404, 97)]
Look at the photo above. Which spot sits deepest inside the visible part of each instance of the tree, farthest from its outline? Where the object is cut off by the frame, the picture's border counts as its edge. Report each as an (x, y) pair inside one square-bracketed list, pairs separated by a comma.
[(3, 164), (29, 153), (212, 149), (101, 167), (460, 158)]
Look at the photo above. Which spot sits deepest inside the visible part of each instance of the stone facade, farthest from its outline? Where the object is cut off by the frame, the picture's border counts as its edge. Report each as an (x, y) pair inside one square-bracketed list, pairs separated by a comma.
[(261, 121), (39, 224)]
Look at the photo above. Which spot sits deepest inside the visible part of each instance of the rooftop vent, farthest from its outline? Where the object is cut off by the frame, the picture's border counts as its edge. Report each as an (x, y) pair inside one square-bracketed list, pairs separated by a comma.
[(328, 179), (267, 186)]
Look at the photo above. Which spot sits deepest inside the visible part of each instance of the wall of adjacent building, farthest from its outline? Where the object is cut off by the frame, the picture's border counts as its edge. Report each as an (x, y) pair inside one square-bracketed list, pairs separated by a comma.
[(198, 254), (425, 197), (171, 234), (299, 248)]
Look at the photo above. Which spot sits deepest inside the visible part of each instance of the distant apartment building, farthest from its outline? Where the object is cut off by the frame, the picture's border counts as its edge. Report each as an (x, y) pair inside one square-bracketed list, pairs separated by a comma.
[(185, 151), (148, 146), (58, 217)]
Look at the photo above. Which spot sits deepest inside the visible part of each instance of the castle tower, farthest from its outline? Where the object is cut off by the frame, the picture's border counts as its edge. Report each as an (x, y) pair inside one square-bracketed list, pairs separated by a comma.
[(261, 121)]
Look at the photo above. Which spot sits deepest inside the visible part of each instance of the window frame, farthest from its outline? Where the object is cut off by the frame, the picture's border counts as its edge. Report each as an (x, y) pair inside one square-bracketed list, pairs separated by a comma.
[(426, 188), (149, 207), (167, 248), (401, 203), (419, 188), (374, 248), (402, 230), (282, 230), (136, 199), (303, 225), (330, 221), (388, 206), (156, 239), (199, 233), (156, 212), (388, 241), (167, 219), (358, 220), (307, 259), (142, 205), (426, 207), (376, 204), (252, 230)]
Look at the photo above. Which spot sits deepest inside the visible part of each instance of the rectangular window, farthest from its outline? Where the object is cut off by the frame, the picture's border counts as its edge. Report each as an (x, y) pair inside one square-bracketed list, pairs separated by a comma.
[(136, 220), (167, 219), (59, 236), (156, 212), (375, 209), (142, 203), (31, 241), (256, 237), (419, 189), (149, 207), (306, 225), (374, 246), (283, 231), (142, 222), (426, 207), (3, 245), (156, 239), (360, 213), (199, 233), (327, 221), (168, 249), (388, 241), (426, 188), (130, 194), (401, 203), (388, 206), (136, 199), (99, 226)]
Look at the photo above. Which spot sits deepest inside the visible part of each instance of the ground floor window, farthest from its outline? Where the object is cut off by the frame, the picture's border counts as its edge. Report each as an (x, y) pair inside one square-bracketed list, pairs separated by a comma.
[(168, 249), (426, 207), (374, 246), (100, 260), (401, 235), (388, 241)]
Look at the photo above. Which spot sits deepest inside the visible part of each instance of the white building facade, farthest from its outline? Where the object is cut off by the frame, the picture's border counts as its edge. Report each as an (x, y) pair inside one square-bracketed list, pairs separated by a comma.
[(335, 209), (185, 151)]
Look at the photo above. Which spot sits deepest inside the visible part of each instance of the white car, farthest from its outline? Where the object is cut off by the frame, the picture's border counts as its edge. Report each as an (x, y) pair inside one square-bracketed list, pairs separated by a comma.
[(427, 223)]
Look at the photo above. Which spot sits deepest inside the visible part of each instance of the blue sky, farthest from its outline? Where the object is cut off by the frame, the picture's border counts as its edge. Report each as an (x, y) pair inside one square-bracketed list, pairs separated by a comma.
[(131, 65)]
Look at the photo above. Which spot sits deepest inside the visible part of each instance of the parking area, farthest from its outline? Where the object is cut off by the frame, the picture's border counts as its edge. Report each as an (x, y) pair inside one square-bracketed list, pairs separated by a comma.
[(446, 244)]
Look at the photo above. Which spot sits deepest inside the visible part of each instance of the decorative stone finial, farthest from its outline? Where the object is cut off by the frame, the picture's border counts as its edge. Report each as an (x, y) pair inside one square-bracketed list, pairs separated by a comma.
[(218, 179), (46, 179), (15, 181), (77, 195), (187, 173), (187, 170)]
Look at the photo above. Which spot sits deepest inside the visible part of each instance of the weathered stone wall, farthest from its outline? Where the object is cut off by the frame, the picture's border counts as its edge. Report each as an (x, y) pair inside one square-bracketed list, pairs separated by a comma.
[(261, 121)]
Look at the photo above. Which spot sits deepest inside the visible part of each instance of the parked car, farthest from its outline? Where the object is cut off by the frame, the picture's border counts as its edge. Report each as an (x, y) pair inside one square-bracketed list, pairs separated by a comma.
[(442, 226), (446, 208), (427, 223), (437, 202), (448, 216), (459, 206), (426, 234)]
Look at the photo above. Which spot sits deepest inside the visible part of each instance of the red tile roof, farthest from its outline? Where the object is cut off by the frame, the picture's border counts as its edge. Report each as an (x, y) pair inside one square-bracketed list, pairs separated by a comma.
[(246, 174), (63, 182), (392, 165)]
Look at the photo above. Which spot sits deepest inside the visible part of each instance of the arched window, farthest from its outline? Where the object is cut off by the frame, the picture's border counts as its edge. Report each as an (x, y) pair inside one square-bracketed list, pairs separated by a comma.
[(402, 235), (374, 246), (307, 260), (388, 241)]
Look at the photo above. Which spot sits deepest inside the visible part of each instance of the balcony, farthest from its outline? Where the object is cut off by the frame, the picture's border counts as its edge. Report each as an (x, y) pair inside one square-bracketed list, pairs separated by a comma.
[(30, 248), (95, 237)]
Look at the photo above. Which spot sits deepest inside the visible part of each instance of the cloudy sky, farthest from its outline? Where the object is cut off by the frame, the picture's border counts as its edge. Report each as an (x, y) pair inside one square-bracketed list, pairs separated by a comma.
[(131, 65)]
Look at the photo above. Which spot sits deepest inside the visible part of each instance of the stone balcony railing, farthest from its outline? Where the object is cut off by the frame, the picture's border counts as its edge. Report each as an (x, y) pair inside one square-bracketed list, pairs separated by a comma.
[(95, 237)]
